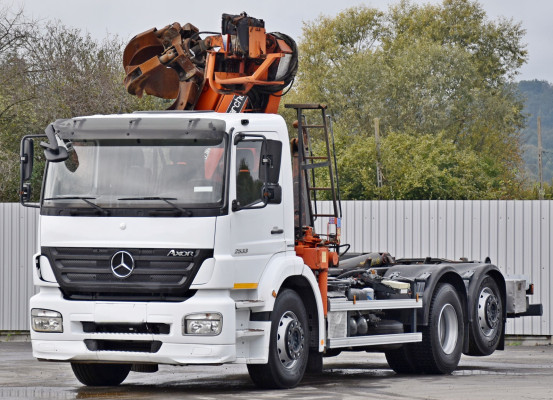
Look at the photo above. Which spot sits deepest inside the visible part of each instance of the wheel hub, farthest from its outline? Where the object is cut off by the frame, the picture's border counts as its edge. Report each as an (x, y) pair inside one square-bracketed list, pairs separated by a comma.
[(492, 309), (489, 312), (294, 340), (290, 339), (448, 328)]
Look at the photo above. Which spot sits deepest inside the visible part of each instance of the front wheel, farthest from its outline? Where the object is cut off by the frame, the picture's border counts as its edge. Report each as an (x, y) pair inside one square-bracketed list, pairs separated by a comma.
[(288, 347), (442, 340), (101, 374)]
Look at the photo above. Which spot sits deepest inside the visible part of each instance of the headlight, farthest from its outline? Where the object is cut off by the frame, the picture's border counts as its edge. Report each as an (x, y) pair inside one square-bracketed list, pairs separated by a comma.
[(203, 324), (46, 320)]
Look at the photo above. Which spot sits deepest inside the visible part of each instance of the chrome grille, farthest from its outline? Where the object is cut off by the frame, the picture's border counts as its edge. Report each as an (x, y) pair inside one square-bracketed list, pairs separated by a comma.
[(85, 273)]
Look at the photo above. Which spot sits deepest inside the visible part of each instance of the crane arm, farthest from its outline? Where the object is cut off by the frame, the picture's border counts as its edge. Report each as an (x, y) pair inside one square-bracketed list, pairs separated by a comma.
[(242, 69)]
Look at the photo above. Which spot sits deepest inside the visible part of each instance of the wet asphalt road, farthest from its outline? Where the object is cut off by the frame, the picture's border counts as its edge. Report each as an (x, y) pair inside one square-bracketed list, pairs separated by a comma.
[(516, 373)]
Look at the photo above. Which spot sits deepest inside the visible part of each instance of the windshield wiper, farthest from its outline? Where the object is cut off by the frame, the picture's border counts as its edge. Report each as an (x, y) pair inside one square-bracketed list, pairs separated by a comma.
[(83, 198), (188, 213)]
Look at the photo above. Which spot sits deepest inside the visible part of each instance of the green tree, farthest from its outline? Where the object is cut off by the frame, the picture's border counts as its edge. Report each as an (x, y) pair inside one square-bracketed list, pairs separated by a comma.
[(432, 167), (49, 71), (16, 34), (415, 167), (440, 70)]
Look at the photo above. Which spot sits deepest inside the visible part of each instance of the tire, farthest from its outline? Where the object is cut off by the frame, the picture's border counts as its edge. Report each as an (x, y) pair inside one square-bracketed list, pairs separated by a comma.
[(487, 322), (401, 360), (314, 363), (442, 340), (101, 374), (288, 347)]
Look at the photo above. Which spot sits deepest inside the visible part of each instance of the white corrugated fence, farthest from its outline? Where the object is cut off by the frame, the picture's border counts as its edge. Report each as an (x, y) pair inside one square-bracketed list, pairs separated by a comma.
[(18, 242)]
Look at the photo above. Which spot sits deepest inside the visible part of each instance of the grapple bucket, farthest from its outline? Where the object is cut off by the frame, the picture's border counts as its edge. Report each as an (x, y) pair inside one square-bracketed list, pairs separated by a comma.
[(143, 72), (175, 63)]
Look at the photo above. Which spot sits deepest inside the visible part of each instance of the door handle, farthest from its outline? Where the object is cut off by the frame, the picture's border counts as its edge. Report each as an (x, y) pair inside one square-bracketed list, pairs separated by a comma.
[(277, 231)]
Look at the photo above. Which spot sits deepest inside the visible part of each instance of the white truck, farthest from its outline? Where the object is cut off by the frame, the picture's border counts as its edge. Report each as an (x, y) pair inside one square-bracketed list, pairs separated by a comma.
[(186, 237)]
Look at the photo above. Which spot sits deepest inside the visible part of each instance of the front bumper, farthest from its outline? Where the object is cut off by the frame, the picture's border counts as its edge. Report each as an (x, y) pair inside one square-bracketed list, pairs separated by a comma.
[(175, 348), (169, 353)]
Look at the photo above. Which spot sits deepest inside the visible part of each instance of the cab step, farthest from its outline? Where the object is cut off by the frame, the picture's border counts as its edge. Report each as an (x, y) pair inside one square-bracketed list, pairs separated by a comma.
[(246, 333), (374, 340), (249, 303)]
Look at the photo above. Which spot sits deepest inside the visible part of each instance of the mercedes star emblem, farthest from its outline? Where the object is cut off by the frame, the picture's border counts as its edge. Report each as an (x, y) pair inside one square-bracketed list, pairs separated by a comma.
[(122, 264)]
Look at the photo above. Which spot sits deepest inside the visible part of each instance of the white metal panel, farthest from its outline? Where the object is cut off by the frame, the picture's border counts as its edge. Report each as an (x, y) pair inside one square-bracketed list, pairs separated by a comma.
[(18, 230), (418, 228), (545, 256)]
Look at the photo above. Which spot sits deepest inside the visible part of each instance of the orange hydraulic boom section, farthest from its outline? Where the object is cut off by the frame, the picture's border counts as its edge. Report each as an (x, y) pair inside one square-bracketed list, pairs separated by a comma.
[(242, 69)]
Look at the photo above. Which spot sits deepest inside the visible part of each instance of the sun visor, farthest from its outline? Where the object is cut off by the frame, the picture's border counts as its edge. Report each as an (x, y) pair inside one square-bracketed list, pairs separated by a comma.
[(140, 128)]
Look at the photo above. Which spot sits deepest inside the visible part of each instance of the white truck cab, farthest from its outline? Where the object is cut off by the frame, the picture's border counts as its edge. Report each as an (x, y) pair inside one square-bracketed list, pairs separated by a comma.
[(156, 242)]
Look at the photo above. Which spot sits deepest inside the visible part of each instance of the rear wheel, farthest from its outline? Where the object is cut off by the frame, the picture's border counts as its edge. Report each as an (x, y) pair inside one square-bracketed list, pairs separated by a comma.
[(101, 374), (487, 321), (442, 340), (288, 347)]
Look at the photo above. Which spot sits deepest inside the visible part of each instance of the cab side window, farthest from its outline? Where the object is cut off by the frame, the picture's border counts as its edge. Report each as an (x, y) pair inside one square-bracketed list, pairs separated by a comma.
[(248, 182)]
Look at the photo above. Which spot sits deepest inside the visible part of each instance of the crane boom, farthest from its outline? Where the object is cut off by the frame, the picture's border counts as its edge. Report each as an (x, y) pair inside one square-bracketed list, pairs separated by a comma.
[(243, 69)]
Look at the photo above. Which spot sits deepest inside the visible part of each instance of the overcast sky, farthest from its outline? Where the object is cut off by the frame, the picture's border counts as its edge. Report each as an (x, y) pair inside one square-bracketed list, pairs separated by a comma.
[(129, 17)]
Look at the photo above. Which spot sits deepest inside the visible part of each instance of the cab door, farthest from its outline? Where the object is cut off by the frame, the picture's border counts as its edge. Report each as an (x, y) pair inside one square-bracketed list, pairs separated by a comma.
[(257, 223)]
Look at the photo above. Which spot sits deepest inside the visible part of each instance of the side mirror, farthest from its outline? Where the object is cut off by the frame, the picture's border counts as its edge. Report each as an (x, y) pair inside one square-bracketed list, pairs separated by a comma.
[(26, 159), (241, 136), (272, 154), (235, 206), (272, 193), (52, 151), (25, 193)]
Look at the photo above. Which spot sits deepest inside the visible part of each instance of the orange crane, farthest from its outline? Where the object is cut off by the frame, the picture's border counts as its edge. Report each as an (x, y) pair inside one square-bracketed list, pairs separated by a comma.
[(243, 69)]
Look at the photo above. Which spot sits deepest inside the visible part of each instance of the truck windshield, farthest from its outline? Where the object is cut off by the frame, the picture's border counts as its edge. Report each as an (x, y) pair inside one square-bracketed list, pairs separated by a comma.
[(141, 173)]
